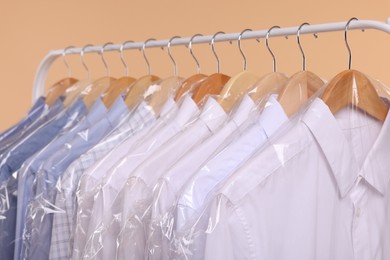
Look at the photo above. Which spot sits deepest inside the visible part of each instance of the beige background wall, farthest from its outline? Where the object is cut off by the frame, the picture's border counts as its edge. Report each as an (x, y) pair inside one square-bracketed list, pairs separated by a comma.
[(29, 29)]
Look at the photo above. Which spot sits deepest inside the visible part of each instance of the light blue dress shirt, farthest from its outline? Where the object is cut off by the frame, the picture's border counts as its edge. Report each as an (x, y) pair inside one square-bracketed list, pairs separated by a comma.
[(27, 173), (33, 114), (43, 119), (39, 218), (12, 160)]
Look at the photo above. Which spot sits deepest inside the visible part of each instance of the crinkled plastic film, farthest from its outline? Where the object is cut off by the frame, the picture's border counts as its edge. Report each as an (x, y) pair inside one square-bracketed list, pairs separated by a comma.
[(66, 187), (166, 192), (188, 216), (11, 186), (106, 222), (92, 180), (284, 191), (88, 214), (41, 208), (120, 231), (162, 222)]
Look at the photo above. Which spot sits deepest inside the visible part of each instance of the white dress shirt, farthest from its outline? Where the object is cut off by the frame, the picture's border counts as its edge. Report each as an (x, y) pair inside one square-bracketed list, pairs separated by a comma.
[(169, 185), (91, 180), (116, 179), (319, 191), (134, 200), (202, 185)]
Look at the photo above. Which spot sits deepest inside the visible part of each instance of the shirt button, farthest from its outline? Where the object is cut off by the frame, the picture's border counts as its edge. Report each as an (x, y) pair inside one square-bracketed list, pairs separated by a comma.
[(358, 211)]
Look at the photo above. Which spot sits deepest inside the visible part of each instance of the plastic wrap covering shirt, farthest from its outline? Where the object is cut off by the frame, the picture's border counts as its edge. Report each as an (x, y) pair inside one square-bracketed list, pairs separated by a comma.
[(28, 172), (195, 194), (169, 185), (35, 112), (45, 117), (66, 187), (37, 233), (319, 191), (118, 175), (90, 181), (134, 200), (12, 161)]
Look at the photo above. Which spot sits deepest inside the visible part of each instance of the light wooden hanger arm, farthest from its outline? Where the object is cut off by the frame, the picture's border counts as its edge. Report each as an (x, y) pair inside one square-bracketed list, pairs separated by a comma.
[(353, 88)]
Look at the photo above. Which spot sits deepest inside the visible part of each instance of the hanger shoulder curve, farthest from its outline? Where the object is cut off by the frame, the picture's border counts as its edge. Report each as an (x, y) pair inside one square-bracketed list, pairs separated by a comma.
[(235, 88), (157, 94), (96, 89), (212, 85), (75, 91), (119, 86), (269, 83), (299, 88), (137, 90), (191, 84), (352, 87), (58, 89)]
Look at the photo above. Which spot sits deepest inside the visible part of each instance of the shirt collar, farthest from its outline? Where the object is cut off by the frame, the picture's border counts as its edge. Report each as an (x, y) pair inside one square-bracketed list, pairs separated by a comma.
[(243, 110), (97, 110), (339, 154), (167, 107), (187, 110), (212, 114), (56, 107), (117, 110), (38, 105), (77, 107), (267, 118)]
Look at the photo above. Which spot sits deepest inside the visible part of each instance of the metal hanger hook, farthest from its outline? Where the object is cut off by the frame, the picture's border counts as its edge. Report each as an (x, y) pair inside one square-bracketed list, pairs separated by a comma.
[(300, 46), (170, 54), (103, 59), (213, 49), (192, 54), (123, 58), (68, 72), (143, 53), (239, 45), (346, 42), (82, 59), (269, 49)]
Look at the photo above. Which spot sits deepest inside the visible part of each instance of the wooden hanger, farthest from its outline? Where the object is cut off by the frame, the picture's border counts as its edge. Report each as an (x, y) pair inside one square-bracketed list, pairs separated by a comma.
[(137, 90), (58, 89), (299, 88), (98, 87), (353, 88), (74, 91), (382, 89), (238, 85), (158, 93), (212, 85), (190, 85), (120, 86), (141, 85), (235, 88), (269, 83)]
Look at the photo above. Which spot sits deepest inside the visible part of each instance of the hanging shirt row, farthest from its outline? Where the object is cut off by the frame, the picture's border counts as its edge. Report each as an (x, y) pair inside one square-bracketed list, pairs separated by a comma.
[(210, 167)]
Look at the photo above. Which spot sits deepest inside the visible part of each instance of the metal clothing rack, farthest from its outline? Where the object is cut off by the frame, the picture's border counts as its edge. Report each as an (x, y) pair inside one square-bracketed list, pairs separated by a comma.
[(40, 77)]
